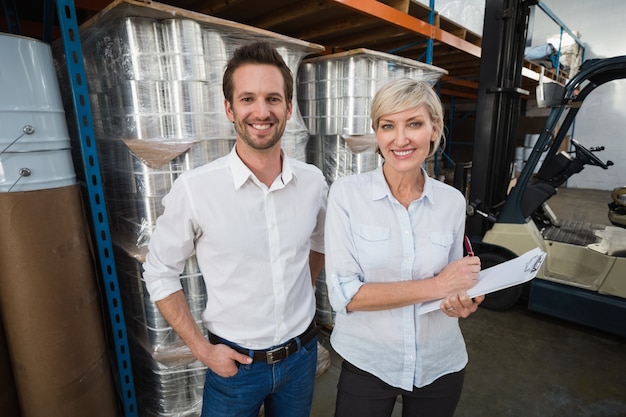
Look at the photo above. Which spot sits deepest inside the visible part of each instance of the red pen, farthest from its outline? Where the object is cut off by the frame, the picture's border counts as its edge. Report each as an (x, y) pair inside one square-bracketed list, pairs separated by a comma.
[(470, 252), (468, 246)]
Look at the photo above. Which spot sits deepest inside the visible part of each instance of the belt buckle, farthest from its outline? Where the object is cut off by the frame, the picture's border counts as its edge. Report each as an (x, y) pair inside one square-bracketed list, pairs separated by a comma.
[(276, 355)]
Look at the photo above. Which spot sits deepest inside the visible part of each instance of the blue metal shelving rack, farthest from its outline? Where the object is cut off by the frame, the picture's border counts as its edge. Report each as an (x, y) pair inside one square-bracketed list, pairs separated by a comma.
[(100, 221)]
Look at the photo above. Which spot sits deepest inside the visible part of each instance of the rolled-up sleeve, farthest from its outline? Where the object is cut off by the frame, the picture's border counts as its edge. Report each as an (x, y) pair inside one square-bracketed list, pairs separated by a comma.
[(341, 290), (343, 273), (171, 244)]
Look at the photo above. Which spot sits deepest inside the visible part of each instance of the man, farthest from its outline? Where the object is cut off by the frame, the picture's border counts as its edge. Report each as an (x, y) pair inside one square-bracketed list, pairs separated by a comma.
[(255, 221)]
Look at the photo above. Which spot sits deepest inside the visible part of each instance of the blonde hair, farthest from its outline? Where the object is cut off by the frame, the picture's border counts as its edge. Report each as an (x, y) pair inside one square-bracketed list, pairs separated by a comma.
[(404, 94)]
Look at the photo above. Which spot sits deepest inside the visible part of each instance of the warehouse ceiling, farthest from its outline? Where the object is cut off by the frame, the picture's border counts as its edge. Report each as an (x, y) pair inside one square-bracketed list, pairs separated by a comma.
[(399, 27)]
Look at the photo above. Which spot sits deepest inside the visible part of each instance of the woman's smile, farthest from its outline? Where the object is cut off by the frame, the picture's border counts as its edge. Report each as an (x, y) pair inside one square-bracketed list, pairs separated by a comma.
[(403, 153)]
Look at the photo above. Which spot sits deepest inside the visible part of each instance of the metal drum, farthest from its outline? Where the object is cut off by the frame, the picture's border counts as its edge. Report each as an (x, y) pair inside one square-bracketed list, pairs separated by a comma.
[(184, 109), (195, 384), (34, 140), (182, 50), (325, 315), (217, 51), (173, 391), (133, 53), (195, 293), (337, 158), (296, 135)]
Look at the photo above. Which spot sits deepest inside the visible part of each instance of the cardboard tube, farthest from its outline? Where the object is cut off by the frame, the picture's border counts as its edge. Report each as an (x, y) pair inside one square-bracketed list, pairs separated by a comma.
[(50, 305), (8, 394)]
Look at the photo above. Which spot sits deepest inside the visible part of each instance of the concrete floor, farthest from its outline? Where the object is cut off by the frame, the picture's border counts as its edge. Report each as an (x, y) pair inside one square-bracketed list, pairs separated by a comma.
[(582, 204), (524, 364)]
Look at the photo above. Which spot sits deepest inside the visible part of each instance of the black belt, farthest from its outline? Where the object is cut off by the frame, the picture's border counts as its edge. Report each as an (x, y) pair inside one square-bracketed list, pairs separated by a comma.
[(276, 354)]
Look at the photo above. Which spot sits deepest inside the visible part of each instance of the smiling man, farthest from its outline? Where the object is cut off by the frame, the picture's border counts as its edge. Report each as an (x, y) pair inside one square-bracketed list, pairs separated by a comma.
[(259, 114), (255, 220)]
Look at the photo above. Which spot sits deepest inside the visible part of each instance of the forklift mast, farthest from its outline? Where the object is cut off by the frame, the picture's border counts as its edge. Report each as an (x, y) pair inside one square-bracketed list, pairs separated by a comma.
[(498, 108)]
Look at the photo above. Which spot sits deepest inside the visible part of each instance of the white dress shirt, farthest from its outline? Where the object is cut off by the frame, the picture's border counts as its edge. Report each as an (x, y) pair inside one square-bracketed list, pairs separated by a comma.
[(252, 245), (371, 237)]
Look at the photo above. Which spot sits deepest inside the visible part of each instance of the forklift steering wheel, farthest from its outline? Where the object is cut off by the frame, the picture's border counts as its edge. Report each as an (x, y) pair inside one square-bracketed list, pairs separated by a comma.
[(588, 157)]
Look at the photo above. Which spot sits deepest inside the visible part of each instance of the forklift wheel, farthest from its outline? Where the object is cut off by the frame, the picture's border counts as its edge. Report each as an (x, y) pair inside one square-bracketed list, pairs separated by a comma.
[(504, 299)]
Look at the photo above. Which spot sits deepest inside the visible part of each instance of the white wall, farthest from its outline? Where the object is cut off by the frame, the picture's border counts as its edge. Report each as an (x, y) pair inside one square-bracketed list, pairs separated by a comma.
[(602, 119)]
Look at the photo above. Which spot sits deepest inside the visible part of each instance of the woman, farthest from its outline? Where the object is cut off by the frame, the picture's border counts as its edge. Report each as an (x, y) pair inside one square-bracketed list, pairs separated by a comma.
[(394, 239)]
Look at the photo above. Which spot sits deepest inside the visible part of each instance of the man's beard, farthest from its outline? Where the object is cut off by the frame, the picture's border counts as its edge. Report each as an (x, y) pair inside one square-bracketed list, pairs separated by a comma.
[(241, 128)]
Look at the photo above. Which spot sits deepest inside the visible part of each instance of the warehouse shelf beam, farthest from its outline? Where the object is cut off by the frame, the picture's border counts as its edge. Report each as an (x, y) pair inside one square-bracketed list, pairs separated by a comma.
[(431, 42), (398, 18), (102, 236)]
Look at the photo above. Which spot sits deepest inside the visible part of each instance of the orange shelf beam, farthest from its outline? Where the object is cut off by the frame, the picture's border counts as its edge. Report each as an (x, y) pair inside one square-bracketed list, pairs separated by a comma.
[(398, 18)]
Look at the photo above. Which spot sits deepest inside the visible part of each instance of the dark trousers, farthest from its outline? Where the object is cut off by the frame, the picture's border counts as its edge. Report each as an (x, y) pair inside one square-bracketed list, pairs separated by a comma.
[(362, 394)]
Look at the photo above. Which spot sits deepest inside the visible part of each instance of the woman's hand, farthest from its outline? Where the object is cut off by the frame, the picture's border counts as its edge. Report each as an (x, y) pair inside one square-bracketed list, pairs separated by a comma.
[(460, 304), (459, 275)]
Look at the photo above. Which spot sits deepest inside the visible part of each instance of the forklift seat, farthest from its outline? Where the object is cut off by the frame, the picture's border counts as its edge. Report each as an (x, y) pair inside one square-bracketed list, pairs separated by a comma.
[(537, 193)]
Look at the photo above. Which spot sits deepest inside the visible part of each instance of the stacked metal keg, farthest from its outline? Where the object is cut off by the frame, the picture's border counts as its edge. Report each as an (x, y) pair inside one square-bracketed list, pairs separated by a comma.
[(34, 139), (335, 94), (156, 94)]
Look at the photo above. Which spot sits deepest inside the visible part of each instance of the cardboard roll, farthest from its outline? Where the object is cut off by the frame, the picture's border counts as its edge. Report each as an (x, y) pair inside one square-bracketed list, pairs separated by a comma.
[(50, 306)]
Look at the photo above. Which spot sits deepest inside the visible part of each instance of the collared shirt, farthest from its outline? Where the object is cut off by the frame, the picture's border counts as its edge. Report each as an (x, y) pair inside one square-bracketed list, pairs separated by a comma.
[(252, 245), (371, 237)]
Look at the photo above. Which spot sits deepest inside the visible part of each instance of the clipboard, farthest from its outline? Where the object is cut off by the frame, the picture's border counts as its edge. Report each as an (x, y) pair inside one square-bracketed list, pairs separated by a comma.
[(498, 277)]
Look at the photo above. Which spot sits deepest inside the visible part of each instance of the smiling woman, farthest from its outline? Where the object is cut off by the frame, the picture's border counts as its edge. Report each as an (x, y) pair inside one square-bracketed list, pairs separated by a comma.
[(405, 139), (407, 94), (407, 117), (420, 223)]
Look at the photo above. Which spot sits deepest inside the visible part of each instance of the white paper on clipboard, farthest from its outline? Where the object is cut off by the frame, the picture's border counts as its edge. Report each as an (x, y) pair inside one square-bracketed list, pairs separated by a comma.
[(498, 277)]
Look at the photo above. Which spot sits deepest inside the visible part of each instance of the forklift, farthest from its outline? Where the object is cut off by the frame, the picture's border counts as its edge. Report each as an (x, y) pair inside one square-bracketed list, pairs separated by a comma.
[(583, 279)]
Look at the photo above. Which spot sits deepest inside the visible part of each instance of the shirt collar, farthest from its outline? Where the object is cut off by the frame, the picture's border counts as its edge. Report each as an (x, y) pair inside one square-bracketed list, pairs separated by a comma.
[(380, 188), (241, 173)]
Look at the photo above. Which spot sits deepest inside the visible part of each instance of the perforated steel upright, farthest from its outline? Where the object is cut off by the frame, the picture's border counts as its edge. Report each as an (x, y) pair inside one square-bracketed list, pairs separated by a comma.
[(96, 204)]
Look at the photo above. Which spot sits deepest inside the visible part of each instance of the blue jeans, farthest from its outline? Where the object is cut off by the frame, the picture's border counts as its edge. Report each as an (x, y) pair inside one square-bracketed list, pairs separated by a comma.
[(285, 387)]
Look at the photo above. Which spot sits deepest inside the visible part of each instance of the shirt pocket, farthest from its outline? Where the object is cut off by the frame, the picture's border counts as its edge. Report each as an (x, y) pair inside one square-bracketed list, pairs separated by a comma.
[(373, 245), (440, 243)]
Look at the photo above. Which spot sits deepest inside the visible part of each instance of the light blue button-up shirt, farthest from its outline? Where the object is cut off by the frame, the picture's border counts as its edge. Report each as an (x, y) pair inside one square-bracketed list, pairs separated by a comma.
[(371, 237)]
